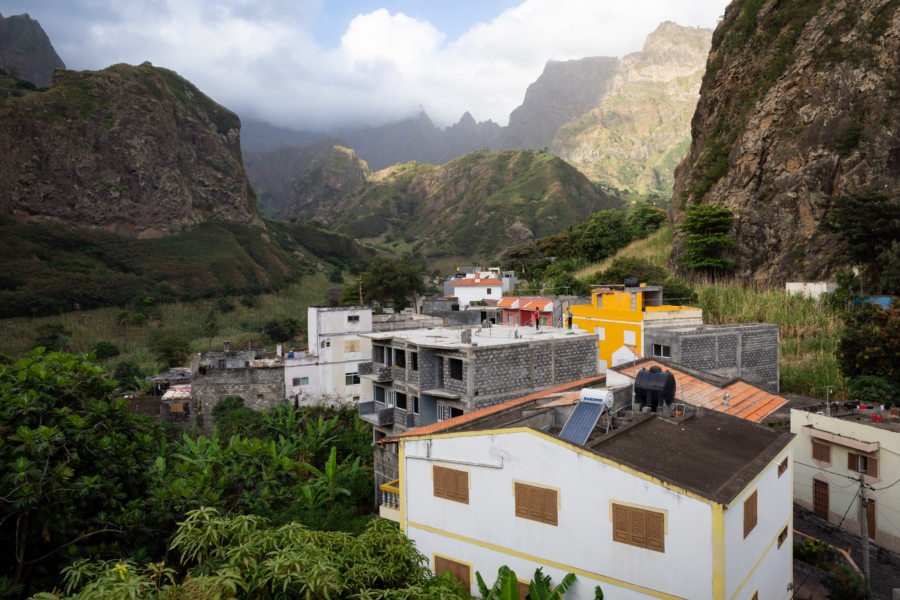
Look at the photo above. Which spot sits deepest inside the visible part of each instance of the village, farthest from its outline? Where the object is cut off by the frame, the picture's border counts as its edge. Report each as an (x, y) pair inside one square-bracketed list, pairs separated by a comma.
[(610, 436)]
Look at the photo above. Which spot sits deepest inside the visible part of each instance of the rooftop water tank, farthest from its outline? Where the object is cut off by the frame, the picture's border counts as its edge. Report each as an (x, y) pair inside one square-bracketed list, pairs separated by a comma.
[(654, 387)]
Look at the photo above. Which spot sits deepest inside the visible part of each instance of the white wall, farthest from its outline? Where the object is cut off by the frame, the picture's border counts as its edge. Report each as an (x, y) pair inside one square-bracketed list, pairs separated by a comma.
[(583, 538), (774, 510), (472, 293), (813, 289)]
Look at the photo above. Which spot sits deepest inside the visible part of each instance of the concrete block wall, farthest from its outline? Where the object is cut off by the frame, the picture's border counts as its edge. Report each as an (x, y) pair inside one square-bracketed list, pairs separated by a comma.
[(261, 389), (749, 352)]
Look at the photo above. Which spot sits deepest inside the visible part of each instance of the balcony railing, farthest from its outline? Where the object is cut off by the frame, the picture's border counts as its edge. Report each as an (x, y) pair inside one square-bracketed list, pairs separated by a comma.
[(389, 500), (375, 413)]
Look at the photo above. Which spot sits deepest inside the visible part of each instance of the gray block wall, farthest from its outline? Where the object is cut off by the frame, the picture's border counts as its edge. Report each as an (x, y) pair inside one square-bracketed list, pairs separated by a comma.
[(749, 352), (261, 389)]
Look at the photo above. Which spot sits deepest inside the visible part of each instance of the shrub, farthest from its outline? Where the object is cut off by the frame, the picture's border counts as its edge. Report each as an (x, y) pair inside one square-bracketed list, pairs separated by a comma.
[(844, 583)]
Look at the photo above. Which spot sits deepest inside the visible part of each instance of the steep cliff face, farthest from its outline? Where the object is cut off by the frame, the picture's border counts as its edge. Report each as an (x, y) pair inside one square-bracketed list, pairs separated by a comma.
[(26, 52), (799, 106), (329, 175), (638, 128), (137, 151)]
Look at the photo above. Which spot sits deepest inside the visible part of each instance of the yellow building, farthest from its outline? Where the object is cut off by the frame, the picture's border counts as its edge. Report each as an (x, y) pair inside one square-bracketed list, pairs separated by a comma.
[(620, 315)]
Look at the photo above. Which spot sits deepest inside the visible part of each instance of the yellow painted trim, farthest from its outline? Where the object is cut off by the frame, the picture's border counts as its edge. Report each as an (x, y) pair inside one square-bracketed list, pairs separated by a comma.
[(550, 563), (665, 512), (718, 551), (542, 486), (401, 503), (759, 560), (568, 446)]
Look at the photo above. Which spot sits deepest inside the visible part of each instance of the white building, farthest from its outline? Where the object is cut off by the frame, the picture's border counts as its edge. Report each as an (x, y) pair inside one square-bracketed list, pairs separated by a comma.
[(830, 450), (695, 507), (331, 367), (477, 289)]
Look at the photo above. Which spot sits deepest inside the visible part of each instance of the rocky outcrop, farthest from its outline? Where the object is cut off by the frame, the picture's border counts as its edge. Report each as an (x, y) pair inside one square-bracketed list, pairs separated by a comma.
[(799, 105), (138, 151), (636, 132), (329, 175), (26, 52)]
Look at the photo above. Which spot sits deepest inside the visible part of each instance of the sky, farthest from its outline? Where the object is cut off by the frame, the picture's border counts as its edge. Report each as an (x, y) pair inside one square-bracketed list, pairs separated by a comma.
[(320, 64)]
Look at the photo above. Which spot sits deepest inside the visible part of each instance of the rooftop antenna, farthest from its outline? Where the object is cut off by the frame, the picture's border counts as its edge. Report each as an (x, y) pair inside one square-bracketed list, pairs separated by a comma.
[(828, 390)]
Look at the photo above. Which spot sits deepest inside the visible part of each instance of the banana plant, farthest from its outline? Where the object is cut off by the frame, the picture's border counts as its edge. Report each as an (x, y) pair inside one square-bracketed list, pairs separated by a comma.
[(505, 588), (541, 587)]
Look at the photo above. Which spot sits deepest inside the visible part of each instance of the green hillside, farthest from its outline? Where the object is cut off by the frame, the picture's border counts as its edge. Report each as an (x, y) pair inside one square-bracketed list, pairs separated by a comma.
[(48, 269)]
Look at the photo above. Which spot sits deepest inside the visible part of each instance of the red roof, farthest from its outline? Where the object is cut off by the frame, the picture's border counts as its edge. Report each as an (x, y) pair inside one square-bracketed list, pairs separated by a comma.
[(478, 282), (744, 400), (507, 301), (525, 303), (468, 417), (537, 303)]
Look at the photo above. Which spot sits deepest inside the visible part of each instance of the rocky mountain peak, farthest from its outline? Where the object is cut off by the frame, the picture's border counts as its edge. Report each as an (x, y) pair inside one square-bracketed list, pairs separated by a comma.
[(25, 50)]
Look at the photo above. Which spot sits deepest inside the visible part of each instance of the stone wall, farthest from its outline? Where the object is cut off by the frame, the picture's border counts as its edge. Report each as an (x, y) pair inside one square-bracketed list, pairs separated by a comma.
[(261, 389), (749, 352)]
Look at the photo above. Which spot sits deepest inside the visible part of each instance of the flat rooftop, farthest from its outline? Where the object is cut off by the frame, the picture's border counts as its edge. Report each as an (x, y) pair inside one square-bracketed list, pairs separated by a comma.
[(496, 335), (712, 454)]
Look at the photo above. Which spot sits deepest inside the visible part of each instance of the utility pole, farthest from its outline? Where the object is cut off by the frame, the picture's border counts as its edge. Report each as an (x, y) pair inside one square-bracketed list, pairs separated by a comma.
[(360, 289), (864, 532)]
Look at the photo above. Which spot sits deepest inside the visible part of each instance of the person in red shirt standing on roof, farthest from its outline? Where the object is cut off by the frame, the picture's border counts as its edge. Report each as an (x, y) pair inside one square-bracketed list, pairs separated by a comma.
[(537, 315)]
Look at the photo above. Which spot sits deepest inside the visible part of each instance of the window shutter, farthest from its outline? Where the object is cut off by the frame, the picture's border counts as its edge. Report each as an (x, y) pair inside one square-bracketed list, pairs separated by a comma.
[(655, 531), (523, 590), (536, 503), (749, 514), (873, 467), (620, 524), (451, 484), (853, 462), (548, 510), (638, 527)]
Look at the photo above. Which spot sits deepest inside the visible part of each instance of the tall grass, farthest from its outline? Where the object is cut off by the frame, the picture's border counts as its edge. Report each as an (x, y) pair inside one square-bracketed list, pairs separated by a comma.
[(809, 330), (182, 319)]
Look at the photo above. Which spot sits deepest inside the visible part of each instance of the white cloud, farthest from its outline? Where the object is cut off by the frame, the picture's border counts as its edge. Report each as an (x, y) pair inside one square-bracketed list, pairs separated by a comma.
[(259, 57)]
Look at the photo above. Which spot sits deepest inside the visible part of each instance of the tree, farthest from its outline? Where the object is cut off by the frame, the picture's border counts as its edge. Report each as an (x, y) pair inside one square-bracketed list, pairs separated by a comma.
[(105, 351), (603, 234), (53, 336), (72, 462), (644, 219), (171, 350), (870, 346), (129, 376), (707, 227), (392, 281), (506, 587), (211, 326), (282, 330)]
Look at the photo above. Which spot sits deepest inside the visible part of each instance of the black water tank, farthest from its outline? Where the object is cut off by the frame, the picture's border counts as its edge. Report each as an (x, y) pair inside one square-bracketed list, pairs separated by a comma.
[(632, 282), (654, 387)]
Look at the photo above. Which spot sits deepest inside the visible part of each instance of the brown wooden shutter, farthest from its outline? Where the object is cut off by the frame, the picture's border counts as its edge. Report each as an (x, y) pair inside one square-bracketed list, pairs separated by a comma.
[(451, 484), (655, 531), (621, 531), (523, 590), (820, 498), (853, 462), (749, 514), (872, 467), (638, 527), (458, 570), (536, 503)]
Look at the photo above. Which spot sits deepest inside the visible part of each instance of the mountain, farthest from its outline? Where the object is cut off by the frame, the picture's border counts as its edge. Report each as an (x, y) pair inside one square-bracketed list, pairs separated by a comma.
[(471, 207), (138, 151), (624, 123), (799, 107), (640, 129), (26, 52)]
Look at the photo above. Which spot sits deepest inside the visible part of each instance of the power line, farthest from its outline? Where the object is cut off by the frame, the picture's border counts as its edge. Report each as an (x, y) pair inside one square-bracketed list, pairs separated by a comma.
[(829, 472)]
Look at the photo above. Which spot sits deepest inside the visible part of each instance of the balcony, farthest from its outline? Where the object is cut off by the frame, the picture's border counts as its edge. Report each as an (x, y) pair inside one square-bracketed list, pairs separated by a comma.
[(389, 500), (376, 372), (375, 413)]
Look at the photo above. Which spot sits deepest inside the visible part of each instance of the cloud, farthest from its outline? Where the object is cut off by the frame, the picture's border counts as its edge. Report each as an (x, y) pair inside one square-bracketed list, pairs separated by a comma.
[(260, 58)]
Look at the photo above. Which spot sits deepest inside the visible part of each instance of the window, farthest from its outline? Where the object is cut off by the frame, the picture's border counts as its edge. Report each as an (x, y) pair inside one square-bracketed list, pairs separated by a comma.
[(353, 319), (326, 343), (401, 400), (450, 484), (400, 359), (414, 361), (633, 301), (456, 369), (639, 527), (460, 571), (443, 412), (389, 399), (662, 351), (821, 451), (536, 503), (860, 463), (351, 346), (378, 354), (601, 333), (221, 363), (351, 378), (820, 498), (300, 381), (630, 337), (783, 466), (782, 536), (749, 513), (523, 589), (489, 291), (415, 404), (509, 318)]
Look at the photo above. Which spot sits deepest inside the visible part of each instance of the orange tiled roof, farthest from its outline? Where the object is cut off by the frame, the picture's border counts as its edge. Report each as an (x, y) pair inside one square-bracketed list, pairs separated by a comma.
[(468, 417), (539, 303), (744, 400), (508, 301), (478, 282)]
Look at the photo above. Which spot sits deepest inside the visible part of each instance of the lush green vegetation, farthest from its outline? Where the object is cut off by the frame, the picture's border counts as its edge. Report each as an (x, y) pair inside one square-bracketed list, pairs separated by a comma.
[(707, 229), (85, 480), (387, 281), (49, 270)]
